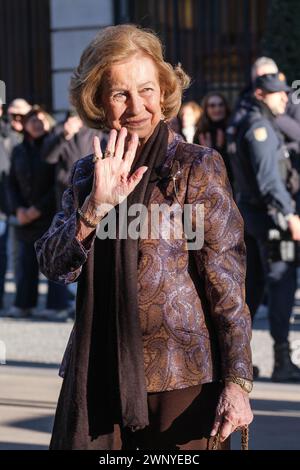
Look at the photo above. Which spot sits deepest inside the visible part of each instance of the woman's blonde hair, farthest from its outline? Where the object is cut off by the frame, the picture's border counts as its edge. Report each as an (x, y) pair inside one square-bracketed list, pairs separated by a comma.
[(114, 44)]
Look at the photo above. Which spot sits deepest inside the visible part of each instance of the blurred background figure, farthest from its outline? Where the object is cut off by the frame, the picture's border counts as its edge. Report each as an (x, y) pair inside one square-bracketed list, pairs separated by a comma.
[(289, 125), (16, 110), (10, 136), (50, 122), (68, 142), (188, 120), (261, 66), (211, 130), (31, 190), (4, 169)]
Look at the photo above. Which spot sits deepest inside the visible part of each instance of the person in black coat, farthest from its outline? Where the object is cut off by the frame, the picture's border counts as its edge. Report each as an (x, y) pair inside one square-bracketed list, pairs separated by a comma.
[(68, 142), (32, 199)]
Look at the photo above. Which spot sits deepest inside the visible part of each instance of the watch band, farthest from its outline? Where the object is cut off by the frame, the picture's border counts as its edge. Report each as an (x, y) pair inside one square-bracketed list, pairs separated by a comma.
[(89, 222), (245, 384)]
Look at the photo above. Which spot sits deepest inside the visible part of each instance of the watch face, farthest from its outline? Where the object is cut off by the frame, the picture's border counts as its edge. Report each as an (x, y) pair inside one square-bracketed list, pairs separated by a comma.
[(248, 386)]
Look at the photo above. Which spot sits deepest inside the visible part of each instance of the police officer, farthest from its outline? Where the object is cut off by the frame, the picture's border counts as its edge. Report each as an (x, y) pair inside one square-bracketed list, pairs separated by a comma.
[(262, 66), (264, 193)]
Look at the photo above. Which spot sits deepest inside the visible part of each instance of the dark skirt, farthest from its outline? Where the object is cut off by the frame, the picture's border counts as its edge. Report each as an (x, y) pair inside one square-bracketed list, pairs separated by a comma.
[(178, 419)]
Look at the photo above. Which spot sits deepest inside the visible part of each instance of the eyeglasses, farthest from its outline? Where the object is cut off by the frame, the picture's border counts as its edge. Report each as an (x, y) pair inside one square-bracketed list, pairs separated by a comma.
[(215, 105)]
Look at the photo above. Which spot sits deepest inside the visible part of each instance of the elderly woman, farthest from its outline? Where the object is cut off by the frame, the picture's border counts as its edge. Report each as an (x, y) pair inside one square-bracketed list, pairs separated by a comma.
[(159, 356)]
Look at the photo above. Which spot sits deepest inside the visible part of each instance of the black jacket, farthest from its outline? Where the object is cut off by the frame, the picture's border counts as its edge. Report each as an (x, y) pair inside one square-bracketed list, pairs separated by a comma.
[(8, 139), (31, 183), (261, 165)]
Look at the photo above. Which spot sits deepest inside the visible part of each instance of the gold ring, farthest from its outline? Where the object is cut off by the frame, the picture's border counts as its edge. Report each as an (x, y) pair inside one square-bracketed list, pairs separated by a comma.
[(95, 158), (108, 154)]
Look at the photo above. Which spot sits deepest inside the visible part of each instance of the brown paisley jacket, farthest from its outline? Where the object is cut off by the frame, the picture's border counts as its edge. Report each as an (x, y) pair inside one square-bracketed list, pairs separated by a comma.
[(195, 324)]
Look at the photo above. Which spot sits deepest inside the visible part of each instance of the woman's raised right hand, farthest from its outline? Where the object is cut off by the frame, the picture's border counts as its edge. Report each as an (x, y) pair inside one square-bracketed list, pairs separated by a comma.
[(112, 180)]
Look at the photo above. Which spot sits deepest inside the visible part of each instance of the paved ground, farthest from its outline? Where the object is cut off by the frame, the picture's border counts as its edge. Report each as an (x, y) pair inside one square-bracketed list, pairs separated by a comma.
[(29, 386)]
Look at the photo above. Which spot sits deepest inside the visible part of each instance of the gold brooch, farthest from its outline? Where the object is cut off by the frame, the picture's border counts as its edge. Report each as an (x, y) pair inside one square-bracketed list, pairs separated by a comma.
[(176, 172)]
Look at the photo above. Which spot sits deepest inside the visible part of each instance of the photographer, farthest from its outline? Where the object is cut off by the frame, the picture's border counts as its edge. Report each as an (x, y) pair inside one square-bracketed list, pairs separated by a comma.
[(265, 187)]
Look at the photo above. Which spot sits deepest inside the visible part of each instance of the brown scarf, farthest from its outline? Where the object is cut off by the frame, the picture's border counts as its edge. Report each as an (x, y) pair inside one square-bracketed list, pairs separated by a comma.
[(116, 371)]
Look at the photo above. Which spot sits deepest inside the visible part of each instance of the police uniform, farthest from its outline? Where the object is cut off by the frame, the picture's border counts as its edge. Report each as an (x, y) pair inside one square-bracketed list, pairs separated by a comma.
[(261, 171)]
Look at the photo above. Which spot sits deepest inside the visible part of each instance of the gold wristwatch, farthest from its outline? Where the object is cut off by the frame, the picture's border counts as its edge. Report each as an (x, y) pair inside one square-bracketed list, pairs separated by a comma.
[(92, 223), (245, 384)]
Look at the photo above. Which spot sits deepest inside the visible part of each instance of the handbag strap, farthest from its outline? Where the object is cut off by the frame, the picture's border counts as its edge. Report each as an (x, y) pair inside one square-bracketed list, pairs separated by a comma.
[(244, 440)]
